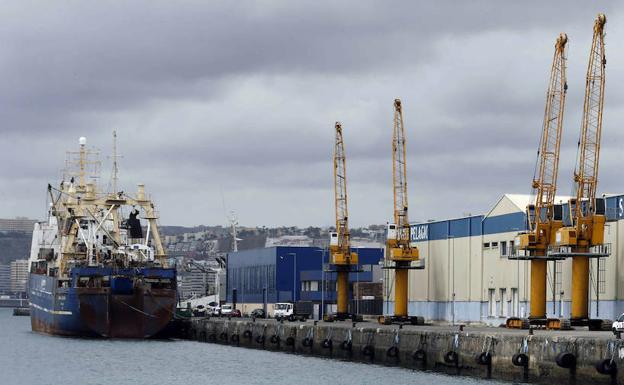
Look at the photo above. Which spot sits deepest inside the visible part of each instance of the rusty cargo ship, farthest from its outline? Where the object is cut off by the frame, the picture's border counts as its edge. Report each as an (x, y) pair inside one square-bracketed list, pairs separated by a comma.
[(97, 264)]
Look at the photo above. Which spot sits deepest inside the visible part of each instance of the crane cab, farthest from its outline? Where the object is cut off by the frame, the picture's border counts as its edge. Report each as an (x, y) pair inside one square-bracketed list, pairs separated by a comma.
[(333, 239), (391, 232)]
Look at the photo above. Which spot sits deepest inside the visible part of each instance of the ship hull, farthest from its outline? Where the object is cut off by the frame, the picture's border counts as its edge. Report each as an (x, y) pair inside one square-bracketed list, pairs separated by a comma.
[(137, 311)]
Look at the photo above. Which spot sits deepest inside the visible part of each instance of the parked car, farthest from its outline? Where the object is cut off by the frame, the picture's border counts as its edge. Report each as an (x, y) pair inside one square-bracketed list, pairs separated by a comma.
[(618, 324), (235, 313), (226, 310), (213, 309), (257, 313), (199, 311)]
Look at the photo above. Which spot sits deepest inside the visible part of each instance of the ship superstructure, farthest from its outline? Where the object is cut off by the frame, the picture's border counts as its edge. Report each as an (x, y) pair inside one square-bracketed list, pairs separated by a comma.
[(98, 266)]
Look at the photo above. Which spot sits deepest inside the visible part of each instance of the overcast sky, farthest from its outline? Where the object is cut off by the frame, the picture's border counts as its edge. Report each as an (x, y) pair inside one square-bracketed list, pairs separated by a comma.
[(233, 103)]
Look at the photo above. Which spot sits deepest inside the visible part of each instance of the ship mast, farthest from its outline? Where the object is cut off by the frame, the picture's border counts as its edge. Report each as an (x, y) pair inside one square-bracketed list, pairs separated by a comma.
[(115, 177)]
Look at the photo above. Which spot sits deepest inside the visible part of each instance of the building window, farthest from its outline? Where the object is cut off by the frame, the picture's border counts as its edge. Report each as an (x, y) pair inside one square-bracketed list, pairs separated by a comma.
[(512, 248), (486, 245), (514, 302), (491, 302), (494, 245), (503, 249)]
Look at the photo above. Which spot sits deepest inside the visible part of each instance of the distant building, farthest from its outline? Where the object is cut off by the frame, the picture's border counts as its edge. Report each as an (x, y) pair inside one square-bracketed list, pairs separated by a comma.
[(290, 240), (287, 274), (195, 281), (19, 276), (5, 279), (20, 224)]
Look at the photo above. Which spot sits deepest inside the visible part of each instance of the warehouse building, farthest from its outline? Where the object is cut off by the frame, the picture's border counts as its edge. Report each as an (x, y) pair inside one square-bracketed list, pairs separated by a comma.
[(469, 278), (289, 274)]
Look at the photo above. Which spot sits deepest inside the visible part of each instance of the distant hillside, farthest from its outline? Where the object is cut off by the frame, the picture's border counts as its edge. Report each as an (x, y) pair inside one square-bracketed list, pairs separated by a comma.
[(14, 245)]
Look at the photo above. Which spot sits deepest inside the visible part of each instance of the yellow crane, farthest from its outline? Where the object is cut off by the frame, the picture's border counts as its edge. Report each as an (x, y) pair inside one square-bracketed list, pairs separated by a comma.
[(584, 239), (398, 248), (544, 217), (342, 258)]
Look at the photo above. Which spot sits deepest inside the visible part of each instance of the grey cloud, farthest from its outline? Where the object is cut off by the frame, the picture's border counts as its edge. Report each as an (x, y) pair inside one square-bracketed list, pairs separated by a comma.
[(241, 97)]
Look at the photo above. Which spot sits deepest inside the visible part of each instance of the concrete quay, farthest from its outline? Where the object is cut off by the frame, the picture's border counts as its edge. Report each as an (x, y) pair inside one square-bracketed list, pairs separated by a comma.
[(544, 357)]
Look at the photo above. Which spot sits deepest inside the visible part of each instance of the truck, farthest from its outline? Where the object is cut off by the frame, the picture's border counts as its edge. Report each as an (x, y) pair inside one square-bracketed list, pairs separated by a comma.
[(300, 310)]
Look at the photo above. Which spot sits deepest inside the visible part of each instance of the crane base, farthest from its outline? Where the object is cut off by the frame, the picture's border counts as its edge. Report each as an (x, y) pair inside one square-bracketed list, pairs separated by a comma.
[(594, 324), (546, 323), (401, 320), (343, 317)]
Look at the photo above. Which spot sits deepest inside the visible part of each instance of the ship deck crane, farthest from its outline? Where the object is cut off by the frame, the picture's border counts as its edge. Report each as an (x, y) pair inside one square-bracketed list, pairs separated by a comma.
[(544, 216), (399, 250), (584, 239), (343, 259)]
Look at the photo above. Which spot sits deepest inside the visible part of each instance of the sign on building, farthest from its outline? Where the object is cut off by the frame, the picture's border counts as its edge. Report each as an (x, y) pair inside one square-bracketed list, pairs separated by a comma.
[(419, 233)]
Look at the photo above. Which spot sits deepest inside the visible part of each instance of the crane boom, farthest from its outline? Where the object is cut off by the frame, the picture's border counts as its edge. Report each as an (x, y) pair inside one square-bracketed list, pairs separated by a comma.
[(399, 173), (545, 185), (586, 176), (340, 191)]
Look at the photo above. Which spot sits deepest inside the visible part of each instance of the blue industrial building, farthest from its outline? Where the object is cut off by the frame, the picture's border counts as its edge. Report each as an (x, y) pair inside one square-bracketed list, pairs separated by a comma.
[(291, 274)]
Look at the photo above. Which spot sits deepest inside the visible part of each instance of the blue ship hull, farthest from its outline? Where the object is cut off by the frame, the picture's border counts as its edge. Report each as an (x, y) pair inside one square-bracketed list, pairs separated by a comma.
[(134, 303)]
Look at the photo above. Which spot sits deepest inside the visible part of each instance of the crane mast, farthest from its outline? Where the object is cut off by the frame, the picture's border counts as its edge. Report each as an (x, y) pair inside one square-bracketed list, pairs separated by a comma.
[(543, 216), (340, 247), (399, 250), (587, 213)]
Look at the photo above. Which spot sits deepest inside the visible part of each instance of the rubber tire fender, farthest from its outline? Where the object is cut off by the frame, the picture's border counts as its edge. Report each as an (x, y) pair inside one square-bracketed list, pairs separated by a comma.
[(450, 357), (419, 355), (247, 334), (223, 336), (307, 342), (346, 345), (235, 338), (212, 337), (566, 360), (392, 352), (275, 339), (484, 358), (606, 366), (260, 339), (290, 341), (520, 359), (368, 351), (328, 343)]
